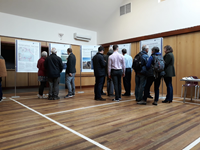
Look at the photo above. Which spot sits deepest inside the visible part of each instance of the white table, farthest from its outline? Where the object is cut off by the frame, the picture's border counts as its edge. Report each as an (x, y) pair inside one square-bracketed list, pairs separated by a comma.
[(188, 80)]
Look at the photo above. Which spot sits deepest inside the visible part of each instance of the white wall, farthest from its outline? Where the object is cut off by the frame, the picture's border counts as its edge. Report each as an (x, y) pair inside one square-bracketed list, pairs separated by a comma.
[(21, 27), (150, 17)]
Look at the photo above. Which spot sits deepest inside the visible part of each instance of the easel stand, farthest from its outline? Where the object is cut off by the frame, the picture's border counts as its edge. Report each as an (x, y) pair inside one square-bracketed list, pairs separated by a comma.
[(15, 85), (80, 85)]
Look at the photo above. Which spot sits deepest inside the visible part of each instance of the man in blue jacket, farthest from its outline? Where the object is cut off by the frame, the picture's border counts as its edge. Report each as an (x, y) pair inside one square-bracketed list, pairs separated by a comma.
[(153, 77), (140, 77)]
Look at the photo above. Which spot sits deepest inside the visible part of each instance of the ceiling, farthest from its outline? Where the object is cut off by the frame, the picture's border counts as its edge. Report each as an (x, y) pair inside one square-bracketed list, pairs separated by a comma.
[(85, 14)]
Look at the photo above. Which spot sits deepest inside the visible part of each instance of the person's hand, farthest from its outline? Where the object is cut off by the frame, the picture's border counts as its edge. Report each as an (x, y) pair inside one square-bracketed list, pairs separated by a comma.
[(70, 74), (123, 75)]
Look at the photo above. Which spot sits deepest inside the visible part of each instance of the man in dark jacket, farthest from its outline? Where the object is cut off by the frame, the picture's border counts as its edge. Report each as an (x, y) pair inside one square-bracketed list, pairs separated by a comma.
[(70, 73), (99, 73), (154, 77), (54, 67), (3, 73), (110, 86), (140, 77)]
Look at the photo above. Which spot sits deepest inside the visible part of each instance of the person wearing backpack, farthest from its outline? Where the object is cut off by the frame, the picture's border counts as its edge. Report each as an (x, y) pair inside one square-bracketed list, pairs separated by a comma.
[(170, 72), (139, 66), (156, 63)]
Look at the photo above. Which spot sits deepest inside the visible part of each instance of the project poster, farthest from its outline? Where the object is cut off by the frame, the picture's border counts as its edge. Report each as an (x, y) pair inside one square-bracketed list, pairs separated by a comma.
[(158, 42), (123, 46), (87, 53), (61, 52), (27, 55)]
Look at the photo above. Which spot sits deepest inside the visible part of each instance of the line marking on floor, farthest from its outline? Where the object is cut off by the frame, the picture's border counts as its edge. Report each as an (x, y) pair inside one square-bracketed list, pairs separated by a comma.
[(63, 126), (89, 107), (193, 144)]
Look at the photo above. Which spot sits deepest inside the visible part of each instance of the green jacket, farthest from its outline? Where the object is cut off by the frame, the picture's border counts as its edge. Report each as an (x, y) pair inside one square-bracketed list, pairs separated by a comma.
[(169, 65)]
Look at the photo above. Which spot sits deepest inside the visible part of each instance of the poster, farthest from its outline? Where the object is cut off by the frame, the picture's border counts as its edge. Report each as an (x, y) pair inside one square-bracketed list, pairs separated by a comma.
[(123, 46), (87, 53), (61, 52), (27, 55), (158, 42)]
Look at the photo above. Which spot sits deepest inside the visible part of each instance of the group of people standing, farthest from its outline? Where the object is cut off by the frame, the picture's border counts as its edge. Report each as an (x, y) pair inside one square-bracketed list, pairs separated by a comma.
[(49, 69), (147, 70)]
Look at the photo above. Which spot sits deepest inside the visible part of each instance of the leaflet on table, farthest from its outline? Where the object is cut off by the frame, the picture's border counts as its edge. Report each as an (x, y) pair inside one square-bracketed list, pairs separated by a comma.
[(27, 55), (87, 53)]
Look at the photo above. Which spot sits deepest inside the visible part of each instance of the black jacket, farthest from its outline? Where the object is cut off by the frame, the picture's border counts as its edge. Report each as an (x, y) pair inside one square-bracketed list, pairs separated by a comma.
[(53, 65), (71, 64), (110, 52), (99, 65)]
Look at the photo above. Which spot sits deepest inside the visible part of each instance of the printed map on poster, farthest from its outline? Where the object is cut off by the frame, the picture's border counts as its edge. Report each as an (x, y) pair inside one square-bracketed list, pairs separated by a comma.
[(27, 55)]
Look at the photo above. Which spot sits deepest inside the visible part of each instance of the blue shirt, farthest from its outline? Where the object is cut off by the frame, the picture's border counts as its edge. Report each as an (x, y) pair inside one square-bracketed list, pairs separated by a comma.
[(128, 61)]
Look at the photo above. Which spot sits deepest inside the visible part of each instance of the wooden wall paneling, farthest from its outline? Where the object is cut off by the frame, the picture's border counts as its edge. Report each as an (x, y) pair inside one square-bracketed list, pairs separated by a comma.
[(172, 41), (10, 79), (188, 57), (33, 79), (85, 81), (8, 39), (3, 83), (134, 51), (76, 52), (22, 79)]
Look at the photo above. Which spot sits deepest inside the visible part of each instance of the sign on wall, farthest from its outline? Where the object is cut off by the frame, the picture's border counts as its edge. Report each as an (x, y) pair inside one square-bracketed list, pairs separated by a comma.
[(27, 55), (158, 42), (87, 53)]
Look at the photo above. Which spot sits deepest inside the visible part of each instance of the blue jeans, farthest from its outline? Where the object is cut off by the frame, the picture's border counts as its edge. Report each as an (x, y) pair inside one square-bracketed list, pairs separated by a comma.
[(168, 82), (140, 82), (70, 83)]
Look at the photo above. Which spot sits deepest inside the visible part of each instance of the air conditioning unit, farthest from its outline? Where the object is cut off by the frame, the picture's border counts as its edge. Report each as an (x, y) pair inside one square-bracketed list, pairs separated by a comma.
[(82, 37)]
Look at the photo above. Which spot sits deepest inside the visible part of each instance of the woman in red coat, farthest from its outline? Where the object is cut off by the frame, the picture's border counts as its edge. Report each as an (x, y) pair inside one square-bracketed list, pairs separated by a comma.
[(42, 78)]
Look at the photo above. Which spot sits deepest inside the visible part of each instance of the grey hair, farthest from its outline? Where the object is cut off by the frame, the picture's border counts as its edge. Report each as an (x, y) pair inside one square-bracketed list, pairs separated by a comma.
[(53, 50), (44, 54), (145, 47)]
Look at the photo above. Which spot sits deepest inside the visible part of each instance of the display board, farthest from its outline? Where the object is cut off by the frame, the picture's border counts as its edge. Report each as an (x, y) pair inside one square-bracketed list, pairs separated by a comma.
[(158, 42), (61, 52), (123, 46), (27, 55), (87, 53)]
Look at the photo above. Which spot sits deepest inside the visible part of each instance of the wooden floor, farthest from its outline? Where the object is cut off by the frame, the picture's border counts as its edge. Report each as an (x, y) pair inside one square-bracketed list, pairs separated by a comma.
[(120, 125)]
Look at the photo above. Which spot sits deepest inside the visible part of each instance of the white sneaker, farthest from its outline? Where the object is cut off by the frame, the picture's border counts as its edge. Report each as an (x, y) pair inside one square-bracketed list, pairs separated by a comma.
[(39, 96), (43, 96)]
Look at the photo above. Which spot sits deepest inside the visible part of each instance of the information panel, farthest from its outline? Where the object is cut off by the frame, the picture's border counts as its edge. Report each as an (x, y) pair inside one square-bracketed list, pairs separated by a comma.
[(123, 46), (27, 55), (87, 53), (158, 42)]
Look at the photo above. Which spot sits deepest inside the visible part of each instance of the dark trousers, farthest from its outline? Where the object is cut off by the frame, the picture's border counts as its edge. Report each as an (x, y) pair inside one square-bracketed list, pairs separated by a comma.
[(168, 82), (98, 86), (110, 86), (127, 81), (103, 84), (54, 87), (149, 82), (41, 88), (1, 94), (116, 77)]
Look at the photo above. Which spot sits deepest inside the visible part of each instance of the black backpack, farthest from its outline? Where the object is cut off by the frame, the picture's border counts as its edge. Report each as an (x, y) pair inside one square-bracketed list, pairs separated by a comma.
[(138, 62), (159, 64)]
